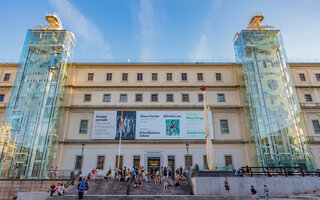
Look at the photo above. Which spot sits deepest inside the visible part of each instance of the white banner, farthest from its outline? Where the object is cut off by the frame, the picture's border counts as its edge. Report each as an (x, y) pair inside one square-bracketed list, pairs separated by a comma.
[(104, 125), (150, 125)]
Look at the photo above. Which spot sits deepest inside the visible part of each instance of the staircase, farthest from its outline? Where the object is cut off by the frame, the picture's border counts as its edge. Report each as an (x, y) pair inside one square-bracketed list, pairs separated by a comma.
[(102, 189)]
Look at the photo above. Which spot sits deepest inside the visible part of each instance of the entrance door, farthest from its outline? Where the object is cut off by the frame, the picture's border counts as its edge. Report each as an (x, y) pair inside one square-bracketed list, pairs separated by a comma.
[(153, 164)]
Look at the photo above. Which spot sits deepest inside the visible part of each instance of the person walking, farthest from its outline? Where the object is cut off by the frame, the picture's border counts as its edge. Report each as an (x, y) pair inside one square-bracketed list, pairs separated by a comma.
[(254, 193), (15, 193), (226, 187), (81, 188), (15, 173), (266, 192)]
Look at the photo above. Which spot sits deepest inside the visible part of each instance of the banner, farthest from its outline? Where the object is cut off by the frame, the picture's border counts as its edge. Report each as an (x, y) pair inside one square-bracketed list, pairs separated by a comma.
[(150, 125)]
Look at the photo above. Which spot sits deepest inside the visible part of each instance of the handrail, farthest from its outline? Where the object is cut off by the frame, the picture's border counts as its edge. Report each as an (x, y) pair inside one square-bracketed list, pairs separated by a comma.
[(276, 171)]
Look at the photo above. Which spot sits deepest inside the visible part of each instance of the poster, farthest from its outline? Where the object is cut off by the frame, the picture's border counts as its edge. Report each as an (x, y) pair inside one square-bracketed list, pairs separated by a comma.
[(150, 125)]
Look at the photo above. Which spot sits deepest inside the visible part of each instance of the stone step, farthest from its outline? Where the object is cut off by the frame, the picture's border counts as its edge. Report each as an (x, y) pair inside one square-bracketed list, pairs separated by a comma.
[(306, 196)]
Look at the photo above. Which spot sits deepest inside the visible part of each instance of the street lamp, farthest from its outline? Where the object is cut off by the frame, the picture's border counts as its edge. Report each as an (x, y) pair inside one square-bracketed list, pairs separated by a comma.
[(82, 155), (188, 165)]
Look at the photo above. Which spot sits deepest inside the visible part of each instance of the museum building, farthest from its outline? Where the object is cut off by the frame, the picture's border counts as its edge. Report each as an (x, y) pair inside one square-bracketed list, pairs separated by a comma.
[(264, 112)]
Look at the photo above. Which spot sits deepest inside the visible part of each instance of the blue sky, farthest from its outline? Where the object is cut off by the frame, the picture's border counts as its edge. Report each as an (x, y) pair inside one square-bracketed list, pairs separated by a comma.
[(161, 30)]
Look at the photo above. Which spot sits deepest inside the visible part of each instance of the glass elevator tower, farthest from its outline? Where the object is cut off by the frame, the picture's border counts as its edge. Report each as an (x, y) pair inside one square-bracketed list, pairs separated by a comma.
[(275, 123), (34, 111)]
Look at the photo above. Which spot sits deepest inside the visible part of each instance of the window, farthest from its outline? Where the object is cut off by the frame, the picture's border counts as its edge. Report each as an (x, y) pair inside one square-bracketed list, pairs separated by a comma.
[(200, 77), (171, 162), (302, 77), (6, 77), (106, 98), (136, 162), (200, 97), (221, 98), (154, 97), (90, 76), (139, 77), (169, 76), (78, 164), (184, 76), (205, 162), (316, 126), (185, 98), (318, 77), (100, 162), (87, 97), (218, 77), (169, 97), (228, 160), (139, 97), (1, 97), (123, 98), (154, 76), (308, 97), (188, 161), (120, 164), (224, 126), (109, 76), (83, 126), (124, 76)]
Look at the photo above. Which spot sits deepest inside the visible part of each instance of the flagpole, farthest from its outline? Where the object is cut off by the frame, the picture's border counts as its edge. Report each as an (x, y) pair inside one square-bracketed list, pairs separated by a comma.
[(120, 132)]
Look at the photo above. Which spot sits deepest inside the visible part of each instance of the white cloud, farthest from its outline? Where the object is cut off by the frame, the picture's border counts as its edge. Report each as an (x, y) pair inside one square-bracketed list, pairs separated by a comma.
[(82, 27), (202, 50), (147, 23)]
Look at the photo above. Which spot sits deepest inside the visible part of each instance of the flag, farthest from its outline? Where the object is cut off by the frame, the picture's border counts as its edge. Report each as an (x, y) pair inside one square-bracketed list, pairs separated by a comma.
[(121, 123)]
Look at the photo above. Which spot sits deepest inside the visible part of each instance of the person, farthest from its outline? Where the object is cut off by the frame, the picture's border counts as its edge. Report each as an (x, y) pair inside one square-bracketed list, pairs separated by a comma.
[(86, 188), (226, 187), (58, 189), (196, 167), (15, 193), (96, 173), (93, 172), (81, 188), (165, 184), (51, 172), (62, 188), (56, 172), (266, 192), (15, 173), (253, 193), (52, 190), (140, 183), (238, 172)]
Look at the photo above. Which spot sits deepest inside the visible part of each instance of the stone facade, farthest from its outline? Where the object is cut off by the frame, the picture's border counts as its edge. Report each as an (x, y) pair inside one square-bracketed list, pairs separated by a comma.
[(228, 147)]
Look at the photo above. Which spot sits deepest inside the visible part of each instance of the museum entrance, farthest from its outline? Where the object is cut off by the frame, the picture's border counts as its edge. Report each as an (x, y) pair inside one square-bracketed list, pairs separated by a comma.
[(153, 164)]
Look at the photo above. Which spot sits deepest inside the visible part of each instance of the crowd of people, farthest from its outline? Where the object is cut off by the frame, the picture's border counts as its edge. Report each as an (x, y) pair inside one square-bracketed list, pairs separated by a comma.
[(59, 188)]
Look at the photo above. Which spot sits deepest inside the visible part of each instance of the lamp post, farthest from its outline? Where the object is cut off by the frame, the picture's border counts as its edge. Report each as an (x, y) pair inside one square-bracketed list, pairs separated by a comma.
[(188, 165), (82, 155)]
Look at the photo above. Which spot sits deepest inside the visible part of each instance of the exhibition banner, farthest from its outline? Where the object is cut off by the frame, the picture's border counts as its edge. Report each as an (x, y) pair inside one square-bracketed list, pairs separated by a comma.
[(150, 125)]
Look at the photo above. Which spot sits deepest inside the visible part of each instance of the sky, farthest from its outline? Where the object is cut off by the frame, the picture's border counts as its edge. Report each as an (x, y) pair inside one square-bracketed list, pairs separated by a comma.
[(161, 30)]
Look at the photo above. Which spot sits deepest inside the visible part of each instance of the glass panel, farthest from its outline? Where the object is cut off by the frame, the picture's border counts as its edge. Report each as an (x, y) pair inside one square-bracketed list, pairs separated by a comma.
[(224, 126), (109, 76), (200, 98), (6, 77), (171, 162), (83, 126), (136, 162), (138, 97), (35, 107), (316, 126), (107, 98), (218, 77), (169, 76), (100, 162), (154, 76), (274, 121), (221, 98), (154, 97), (169, 97), (200, 77), (124, 76), (120, 164), (78, 164), (188, 161)]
